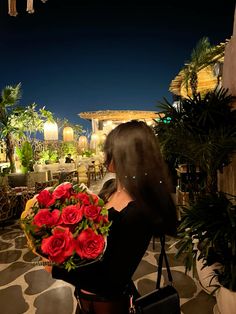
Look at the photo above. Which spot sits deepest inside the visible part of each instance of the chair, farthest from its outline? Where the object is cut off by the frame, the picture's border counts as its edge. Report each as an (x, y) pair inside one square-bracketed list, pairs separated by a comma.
[(39, 186), (83, 176), (6, 170), (91, 172), (69, 177), (4, 184), (94, 171), (97, 168), (8, 203), (33, 177), (103, 170)]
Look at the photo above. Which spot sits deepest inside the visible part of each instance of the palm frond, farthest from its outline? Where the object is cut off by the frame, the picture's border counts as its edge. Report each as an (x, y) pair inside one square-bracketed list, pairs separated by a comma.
[(10, 95)]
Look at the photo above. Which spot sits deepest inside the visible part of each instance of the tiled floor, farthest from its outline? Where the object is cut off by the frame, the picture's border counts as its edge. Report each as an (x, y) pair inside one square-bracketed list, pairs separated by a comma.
[(26, 288)]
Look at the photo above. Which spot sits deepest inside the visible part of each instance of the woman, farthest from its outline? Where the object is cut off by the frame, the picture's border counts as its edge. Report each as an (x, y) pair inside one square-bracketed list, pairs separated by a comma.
[(140, 206)]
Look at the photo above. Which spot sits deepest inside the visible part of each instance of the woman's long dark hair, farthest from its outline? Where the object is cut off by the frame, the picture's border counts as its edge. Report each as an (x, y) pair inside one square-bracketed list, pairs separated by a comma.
[(108, 188), (134, 150)]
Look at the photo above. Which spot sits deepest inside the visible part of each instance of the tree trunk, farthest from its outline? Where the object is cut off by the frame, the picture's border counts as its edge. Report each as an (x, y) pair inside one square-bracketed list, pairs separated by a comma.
[(211, 184), (10, 152), (193, 83)]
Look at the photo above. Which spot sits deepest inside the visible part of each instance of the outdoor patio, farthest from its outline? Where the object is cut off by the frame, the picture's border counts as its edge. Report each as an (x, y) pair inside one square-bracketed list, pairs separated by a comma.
[(36, 292), (83, 68)]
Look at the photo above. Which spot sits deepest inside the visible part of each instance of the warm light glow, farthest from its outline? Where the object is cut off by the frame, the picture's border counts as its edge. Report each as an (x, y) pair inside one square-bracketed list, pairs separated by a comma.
[(102, 138), (50, 131), (68, 134), (94, 141), (149, 122), (83, 142)]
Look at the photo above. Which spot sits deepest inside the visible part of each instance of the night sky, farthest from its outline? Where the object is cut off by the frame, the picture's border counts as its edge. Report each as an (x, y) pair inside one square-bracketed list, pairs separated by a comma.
[(81, 55)]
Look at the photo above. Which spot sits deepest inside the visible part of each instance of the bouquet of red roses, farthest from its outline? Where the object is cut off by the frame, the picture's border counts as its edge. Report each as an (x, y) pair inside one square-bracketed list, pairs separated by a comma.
[(66, 225)]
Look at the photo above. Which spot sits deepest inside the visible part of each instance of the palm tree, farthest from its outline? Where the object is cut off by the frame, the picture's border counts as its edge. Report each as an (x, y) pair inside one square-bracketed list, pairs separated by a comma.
[(19, 122), (201, 131), (9, 97), (202, 55)]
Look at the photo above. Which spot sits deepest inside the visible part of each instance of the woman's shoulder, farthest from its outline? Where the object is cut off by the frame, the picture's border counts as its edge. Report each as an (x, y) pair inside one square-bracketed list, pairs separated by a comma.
[(131, 211), (130, 205)]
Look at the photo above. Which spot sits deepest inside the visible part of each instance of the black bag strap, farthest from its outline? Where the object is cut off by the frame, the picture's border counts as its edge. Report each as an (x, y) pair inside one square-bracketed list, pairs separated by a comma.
[(160, 263)]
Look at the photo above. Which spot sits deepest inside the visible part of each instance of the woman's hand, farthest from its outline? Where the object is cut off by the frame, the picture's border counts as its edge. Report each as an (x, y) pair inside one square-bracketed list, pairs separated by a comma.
[(48, 268)]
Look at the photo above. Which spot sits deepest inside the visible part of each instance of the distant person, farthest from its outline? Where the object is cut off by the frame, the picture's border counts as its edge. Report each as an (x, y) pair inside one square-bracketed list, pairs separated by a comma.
[(68, 159)]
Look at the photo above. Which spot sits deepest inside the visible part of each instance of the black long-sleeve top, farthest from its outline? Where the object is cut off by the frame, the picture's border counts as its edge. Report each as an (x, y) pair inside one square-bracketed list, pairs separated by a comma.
[(128, 239)]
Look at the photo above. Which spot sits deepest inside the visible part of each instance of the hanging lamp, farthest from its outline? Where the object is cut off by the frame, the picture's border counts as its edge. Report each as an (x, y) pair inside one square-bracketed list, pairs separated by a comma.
[(12, 10), (50, 131), (68, 134), (30, 6), (83, 142)]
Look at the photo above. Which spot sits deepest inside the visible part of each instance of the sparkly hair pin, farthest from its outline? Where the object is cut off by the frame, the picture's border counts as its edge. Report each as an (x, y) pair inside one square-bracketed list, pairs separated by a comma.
[(134, 177)]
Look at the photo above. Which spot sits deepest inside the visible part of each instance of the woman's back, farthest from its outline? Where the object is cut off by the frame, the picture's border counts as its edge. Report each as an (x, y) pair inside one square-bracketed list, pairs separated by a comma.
[(129, 236)]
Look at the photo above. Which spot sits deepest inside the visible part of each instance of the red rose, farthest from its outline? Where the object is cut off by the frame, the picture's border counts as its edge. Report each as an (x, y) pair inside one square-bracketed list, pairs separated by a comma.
[(103, 219), (59, 246), (45, 198), (95, 199), (91, 211), (72, 214), (84, 198), (88, 244), (63, 191), (46, 217)]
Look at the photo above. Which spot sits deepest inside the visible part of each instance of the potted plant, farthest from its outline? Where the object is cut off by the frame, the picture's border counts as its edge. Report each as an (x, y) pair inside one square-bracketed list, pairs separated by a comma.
[(48, 156), (207, 238), (201, 131), (87, 153), (25, 155)]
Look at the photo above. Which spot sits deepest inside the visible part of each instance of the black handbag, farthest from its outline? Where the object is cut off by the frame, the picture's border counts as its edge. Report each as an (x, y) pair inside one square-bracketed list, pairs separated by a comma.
[(164, 300)]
